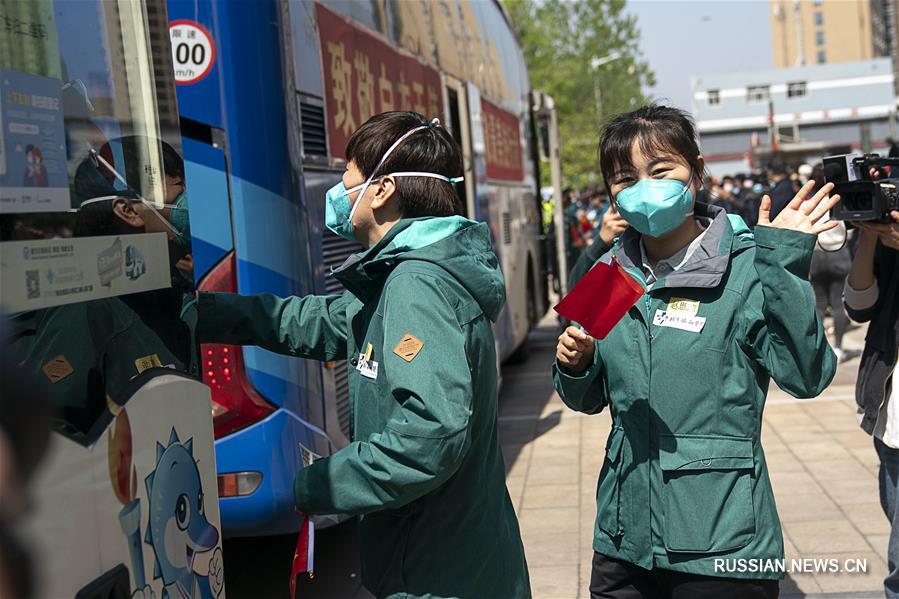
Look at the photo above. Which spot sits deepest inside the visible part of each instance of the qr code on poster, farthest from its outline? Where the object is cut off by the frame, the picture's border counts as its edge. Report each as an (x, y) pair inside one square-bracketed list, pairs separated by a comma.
[(33, 283)]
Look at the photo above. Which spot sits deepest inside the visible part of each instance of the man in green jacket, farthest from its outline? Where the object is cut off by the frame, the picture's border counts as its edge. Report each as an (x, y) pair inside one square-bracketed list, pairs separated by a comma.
[(424, 472)]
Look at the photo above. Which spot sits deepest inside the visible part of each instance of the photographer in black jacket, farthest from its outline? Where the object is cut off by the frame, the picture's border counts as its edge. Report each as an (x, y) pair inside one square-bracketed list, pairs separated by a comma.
[(872, 295)]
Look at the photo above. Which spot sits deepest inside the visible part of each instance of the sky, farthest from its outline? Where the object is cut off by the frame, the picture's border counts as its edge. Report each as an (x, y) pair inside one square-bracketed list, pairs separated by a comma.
[(685, 38)]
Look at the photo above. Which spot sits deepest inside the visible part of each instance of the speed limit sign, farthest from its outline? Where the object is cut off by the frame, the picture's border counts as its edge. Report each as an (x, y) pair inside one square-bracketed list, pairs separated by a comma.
[(193, 51)]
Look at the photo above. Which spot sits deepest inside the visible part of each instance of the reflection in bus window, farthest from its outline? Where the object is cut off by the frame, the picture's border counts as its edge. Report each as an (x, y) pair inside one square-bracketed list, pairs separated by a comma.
[(368, 12), (89, 351), (111, 297), (410, 26)]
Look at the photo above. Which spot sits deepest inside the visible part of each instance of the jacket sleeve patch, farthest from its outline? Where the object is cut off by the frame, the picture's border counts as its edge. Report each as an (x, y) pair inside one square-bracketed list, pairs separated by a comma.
[(57, 369), (408, 347)]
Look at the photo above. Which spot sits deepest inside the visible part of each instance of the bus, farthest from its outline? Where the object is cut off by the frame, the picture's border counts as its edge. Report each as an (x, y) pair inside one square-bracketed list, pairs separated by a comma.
[(268, 94)]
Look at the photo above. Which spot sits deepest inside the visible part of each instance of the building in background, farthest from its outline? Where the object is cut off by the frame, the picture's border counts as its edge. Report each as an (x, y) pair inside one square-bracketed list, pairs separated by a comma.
[(814, 110), (827, 31)]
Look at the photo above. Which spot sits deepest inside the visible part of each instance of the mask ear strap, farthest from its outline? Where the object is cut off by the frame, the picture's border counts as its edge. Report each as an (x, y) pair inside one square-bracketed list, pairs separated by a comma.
[(423, 174), (380, 162)]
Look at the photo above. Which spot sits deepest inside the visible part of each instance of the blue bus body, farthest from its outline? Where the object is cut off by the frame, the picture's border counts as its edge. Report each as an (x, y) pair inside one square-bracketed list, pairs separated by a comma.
[(252, 128)]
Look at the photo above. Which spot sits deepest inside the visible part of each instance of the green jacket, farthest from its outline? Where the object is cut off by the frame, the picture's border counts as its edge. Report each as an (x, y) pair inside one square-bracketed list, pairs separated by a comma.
[(82, 353), (684, 479), (424, 471)]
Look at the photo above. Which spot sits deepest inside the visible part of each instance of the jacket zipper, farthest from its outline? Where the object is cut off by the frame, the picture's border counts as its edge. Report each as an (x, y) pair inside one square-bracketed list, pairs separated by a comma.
[(648, 303)]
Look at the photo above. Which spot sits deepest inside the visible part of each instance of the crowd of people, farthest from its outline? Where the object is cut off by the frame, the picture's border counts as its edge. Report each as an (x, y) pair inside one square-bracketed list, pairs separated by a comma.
[(738, 194)]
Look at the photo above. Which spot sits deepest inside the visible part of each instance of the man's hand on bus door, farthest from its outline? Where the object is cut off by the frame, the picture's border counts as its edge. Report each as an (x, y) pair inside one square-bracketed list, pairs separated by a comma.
[(613, 225), (575, 350)]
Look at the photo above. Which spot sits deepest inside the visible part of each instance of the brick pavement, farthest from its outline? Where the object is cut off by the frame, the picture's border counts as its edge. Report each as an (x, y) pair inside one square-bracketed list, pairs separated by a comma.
[(823, 470)]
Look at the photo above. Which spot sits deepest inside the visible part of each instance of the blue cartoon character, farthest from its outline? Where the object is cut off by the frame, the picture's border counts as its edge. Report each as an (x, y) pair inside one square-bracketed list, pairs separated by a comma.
[(178, 529)]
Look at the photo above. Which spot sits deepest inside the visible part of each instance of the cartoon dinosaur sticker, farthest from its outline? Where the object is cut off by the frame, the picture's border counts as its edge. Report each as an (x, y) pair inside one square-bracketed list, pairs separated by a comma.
[(178, 529)]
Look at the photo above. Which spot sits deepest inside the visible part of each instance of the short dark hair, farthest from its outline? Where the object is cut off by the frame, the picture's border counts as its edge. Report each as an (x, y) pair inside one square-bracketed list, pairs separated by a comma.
[(777, 166), (93, 180), (430, 150), (132, 151), (656, 128)]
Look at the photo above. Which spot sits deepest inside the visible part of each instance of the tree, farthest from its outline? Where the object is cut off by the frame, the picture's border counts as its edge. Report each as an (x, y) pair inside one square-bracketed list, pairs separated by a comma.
[(561, 39)]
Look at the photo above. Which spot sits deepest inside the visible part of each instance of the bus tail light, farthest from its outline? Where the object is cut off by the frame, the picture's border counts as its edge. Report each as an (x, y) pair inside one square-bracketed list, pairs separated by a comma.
[(235, 403), (238, 484)]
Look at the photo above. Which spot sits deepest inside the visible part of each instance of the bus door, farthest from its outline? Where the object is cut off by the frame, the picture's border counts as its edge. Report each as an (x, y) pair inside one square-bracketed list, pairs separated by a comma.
[(546, 122), (456, 119)]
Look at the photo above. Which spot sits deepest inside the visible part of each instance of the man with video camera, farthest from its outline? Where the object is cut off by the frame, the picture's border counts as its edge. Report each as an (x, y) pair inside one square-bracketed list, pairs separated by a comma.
[(872, 295)]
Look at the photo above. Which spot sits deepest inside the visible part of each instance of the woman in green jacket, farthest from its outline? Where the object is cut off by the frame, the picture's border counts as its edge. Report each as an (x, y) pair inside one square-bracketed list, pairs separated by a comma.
[(424, 471), (684, 502)]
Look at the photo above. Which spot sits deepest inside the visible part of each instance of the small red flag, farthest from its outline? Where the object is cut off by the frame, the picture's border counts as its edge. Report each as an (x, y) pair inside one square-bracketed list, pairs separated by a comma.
[(600, 299), (303, 556)]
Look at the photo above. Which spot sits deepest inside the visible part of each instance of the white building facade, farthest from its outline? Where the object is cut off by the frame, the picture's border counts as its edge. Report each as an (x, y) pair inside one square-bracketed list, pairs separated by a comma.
[(817, 110)]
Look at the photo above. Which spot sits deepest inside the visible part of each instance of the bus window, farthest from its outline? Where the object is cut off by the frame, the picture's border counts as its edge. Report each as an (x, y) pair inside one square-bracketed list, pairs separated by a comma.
[(410, 26), (367, 12), (94, 225)]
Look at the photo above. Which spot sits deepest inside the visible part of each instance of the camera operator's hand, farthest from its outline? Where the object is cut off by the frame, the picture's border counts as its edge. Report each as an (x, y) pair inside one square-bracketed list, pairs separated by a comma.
[(888, 233), (801, 214), (613, 225)]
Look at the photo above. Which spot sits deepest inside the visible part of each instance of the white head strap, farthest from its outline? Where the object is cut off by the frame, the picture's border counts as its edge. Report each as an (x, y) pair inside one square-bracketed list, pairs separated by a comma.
[(435, 122)]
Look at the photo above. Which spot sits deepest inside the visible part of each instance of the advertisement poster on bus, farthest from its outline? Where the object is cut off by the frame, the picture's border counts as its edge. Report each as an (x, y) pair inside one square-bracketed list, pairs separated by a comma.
[(41, 273), (365, 76), (33, 175), (144, 495)]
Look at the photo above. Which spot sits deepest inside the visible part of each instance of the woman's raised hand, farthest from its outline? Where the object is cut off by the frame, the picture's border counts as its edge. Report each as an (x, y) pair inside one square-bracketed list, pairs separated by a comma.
[(801, 214)]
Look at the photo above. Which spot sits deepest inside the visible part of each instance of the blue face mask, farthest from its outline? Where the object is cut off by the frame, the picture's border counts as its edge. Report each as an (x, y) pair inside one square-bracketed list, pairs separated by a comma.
[(655, 207), (339, 211), (180, 220)]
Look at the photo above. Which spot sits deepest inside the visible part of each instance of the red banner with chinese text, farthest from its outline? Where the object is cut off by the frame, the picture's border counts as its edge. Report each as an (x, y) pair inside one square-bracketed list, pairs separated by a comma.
[(502, 139), (364, 77)]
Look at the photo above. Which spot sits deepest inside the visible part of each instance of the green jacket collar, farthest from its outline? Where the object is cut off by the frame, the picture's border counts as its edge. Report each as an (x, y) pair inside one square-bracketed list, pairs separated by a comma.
[(459, 246), (361, 272)]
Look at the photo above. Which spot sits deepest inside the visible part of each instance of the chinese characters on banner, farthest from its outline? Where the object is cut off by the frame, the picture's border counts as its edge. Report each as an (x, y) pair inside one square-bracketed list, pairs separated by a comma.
[(364, 77), (503, 143)]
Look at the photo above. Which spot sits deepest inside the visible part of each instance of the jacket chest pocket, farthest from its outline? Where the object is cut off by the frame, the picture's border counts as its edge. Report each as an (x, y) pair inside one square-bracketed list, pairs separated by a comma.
[(608, 492), (707, 489)]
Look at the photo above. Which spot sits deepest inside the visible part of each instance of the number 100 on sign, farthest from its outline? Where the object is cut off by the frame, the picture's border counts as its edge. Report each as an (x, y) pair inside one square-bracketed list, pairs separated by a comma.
[(193, 51)]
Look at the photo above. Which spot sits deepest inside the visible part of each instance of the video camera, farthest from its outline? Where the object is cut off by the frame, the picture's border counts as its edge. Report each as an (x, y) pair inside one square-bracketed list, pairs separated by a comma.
[(861, 198)]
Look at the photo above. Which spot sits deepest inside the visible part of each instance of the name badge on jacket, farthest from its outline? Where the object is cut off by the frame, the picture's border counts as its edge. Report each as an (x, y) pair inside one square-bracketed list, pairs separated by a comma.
[(678, 320), (367, 367)]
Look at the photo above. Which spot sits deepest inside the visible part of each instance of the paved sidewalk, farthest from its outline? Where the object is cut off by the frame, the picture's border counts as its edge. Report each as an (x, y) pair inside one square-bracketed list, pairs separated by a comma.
[(823, 469)]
